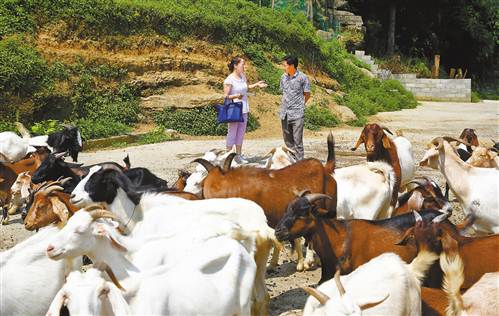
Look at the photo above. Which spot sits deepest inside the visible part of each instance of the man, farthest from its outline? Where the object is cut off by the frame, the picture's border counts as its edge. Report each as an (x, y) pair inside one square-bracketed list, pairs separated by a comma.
[(295, 89)]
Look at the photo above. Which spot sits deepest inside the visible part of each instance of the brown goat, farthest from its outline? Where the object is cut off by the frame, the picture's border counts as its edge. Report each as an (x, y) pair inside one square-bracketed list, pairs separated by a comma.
[(273, 190), (182, 180), (471, 250), (380, 147), (468, 134), (9, 173), (347, 243), (449, 300), (50, 205)]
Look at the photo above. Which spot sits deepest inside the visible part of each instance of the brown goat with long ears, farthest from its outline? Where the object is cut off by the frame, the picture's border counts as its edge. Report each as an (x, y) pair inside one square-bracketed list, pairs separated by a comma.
[(273, 189), (9, 173), (471, 250), (380, 147), (49, 205), (347, 243)]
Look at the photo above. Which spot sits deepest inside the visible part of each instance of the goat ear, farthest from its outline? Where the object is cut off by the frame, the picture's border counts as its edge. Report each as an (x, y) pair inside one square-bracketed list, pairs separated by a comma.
[(60, 209), (118, 303), (492, 154), (25, 189), (359, 141), (56, 305), (386, 142), (474, 141), (375, 302), (409, 233)]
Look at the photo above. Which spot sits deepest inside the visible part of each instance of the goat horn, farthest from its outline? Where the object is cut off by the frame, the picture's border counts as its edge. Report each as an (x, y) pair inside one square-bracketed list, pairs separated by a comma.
[(42, 186), (288, 150), (102, 266), (440, 218), (341, 289), (94, 206), (52, 188), (96, 214), (419, 181), (417, 216), (60, 155), (205, 163), (452, 139), (65, 180), (438, 141), (302, 193), (316, 196), (321, 297), (228, 162), (386, 129)]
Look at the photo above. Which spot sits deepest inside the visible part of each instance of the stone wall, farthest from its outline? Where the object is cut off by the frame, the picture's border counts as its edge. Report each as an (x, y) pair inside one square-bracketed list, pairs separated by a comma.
[(436, 89)]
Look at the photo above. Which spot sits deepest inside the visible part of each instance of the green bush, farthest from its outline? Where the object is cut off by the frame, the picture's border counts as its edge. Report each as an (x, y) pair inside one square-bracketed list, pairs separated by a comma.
[(475, 97), (23, 72), (156, 136), (398, 65), (198, 121), (45, 127), (317, 116), (7, 127), (100, 128), (120, 105)]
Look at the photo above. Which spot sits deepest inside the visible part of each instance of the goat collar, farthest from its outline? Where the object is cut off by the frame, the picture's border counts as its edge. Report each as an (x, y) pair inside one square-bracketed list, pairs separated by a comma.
[(123, 230)]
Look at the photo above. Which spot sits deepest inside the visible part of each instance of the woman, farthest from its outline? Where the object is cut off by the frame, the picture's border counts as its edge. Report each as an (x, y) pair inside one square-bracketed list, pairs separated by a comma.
[(236, 88)]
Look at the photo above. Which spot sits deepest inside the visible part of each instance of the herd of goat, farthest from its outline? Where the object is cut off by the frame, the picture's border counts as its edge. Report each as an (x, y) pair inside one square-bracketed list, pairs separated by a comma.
[(203, 245)]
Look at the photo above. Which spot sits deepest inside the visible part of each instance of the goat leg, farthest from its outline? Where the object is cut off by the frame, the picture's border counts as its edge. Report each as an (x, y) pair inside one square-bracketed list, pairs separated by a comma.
[(5, 216)]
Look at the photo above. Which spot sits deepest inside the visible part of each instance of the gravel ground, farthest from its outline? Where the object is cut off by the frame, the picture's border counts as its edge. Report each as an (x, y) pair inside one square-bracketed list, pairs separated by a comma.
[(419, 125)]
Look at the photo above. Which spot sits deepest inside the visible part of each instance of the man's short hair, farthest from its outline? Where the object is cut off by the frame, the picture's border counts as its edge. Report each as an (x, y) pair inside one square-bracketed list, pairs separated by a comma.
[(291, 60)]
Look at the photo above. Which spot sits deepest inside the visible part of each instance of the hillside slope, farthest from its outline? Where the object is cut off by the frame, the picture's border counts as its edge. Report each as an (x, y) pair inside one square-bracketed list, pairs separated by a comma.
[(119, 63)]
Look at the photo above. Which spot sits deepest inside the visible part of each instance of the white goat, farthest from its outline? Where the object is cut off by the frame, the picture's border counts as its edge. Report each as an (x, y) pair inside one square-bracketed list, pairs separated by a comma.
[(471, 185), (406, 159), (280, 157), (480, 299), (216, 279), (153, 214), (88, 233), (14, 148), (29, 280), (365, 191), (386, 285)]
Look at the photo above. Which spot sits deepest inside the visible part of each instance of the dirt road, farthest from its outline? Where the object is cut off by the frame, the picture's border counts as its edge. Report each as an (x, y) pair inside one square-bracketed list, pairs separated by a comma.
[(419, 125)]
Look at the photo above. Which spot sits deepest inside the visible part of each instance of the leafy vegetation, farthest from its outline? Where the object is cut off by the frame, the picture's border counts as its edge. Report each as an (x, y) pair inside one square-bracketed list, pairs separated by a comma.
[(156, 136), (317, 116), (463, 32), (398, 65), (99, 97), (198, 121)]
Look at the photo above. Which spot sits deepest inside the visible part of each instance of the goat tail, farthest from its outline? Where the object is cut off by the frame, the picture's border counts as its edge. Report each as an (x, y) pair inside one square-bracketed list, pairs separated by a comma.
[(453, 268), (422, 263), (126, 160), (331, 155)]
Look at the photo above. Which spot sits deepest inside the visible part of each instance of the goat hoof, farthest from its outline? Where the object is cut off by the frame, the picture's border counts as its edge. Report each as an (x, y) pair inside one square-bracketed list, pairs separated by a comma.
[(299, 266), (306, 267), (11, 211), (5, 221)]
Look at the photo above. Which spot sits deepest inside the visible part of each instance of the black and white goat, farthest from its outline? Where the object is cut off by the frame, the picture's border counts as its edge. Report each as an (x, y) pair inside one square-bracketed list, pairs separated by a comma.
[(14, 148)]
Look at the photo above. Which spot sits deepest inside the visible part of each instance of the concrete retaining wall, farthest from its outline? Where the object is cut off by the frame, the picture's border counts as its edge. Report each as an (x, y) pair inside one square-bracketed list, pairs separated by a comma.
[(437, 89)]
